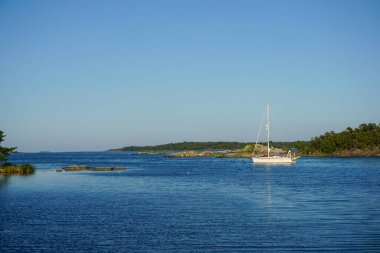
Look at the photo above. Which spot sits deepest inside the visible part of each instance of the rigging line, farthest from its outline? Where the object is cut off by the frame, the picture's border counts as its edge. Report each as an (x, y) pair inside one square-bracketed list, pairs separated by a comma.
[(261, 125)]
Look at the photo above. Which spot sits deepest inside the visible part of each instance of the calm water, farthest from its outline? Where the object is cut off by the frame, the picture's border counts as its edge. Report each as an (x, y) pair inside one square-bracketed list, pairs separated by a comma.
[(196, 204)]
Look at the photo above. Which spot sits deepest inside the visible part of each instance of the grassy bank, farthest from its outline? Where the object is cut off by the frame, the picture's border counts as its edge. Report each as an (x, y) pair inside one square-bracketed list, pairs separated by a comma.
[(11, 169)]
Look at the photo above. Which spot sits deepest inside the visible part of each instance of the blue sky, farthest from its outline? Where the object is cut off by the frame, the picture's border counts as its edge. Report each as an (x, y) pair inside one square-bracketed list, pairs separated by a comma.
[(93, 75)]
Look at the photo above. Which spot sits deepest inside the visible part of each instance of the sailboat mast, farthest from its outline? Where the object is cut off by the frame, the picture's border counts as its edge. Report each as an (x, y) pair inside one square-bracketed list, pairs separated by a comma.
[(268, 128)]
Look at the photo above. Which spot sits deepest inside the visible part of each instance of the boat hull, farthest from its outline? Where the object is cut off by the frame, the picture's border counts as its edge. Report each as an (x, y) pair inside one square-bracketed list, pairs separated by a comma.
[(274, 160)]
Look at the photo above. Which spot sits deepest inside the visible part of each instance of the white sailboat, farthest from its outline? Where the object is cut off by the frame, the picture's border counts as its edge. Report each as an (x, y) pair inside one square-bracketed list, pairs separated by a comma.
[(272, 159)]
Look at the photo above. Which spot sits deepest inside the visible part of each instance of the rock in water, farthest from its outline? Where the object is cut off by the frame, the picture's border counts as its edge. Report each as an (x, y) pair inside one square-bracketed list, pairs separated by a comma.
[(88, 168)]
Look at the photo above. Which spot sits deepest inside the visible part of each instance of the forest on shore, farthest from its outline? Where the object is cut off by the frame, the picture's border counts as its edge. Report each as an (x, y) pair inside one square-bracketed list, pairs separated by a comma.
[(363, 140)]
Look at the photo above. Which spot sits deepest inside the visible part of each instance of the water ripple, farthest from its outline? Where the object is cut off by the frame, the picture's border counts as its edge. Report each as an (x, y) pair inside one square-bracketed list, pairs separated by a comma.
[(206, 205)]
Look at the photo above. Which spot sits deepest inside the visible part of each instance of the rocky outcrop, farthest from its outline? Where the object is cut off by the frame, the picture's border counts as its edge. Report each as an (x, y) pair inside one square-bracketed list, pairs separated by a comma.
[(88, 168), (152, 153), (195, 154), (246, 152), (263, 150)]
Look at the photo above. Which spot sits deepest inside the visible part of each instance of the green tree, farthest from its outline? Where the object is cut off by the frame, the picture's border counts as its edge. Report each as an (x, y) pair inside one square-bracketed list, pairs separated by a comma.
[(4, 151), (365, 137)]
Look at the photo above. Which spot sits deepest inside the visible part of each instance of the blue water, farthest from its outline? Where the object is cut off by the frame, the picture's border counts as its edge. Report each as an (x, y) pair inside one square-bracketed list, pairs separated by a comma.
[(190, 204)]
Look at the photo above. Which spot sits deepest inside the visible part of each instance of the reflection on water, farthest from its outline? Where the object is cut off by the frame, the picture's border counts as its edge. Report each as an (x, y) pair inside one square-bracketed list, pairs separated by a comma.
[(269, 192), (201, 204), (3, 181)]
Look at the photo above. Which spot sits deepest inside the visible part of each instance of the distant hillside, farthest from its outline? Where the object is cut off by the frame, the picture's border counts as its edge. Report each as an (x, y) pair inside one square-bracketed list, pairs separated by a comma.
[(182, 146), (186, 146), (361, 141)]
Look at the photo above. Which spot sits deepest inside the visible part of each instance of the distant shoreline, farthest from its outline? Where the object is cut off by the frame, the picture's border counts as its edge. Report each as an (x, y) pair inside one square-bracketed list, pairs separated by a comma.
[(240, 154), (361, 141)]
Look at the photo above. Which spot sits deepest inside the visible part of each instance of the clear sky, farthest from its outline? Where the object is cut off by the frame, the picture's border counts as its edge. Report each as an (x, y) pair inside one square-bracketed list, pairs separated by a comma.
[(93, 75)]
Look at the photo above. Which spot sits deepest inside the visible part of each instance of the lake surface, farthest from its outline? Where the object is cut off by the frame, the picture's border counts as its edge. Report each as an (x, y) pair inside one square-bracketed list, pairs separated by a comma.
[(190, 204)]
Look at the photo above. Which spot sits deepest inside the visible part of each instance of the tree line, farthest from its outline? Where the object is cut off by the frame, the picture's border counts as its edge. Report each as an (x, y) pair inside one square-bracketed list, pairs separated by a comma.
[(364, 137), (219, 145), (187, 146)]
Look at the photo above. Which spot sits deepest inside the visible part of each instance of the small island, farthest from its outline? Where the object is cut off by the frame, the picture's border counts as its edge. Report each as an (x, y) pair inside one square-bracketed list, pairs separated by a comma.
[(12, 169), (88, 168), (245, 152)]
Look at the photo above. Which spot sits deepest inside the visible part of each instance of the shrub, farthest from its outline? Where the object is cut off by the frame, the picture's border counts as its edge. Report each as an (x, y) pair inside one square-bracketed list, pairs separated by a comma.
[(24, 169)]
